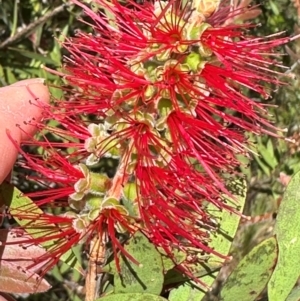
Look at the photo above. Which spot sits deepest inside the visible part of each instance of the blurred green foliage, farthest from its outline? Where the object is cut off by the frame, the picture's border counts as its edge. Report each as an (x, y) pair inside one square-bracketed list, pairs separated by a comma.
[(30, 35)]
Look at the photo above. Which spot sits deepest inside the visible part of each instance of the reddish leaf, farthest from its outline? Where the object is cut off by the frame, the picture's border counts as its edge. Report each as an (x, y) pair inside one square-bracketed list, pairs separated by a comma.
[(13, 279), (13, 248), (15, 257)]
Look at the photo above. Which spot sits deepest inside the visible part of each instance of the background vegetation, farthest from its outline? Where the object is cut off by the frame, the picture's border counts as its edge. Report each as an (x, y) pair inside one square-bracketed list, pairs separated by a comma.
[(30, 31)]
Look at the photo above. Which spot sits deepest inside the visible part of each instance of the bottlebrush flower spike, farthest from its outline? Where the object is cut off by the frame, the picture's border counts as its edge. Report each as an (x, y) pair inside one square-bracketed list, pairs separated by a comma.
[(159, 89)]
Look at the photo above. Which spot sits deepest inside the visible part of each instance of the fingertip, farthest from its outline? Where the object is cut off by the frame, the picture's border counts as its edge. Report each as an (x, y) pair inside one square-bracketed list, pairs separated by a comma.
[(39, 97), (27, 82), (8, 151), (21, 106)]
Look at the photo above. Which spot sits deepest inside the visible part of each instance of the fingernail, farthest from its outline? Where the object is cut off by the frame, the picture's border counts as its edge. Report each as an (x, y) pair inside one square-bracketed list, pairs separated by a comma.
[(27, 82)]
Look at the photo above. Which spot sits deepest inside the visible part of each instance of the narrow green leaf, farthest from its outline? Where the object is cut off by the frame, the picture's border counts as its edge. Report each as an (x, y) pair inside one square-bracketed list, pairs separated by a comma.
[(267, 153), (273, 160), (10, 76), (252, 274), (36, 56), (56, 54), (287, 232), (262, 165), (12, 197), (15, 19), (57, 274), (274, 8), (147, 277), (132, 297)]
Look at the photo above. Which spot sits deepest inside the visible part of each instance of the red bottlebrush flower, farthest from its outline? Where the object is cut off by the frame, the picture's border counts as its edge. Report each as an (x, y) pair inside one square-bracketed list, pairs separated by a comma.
[(160, 88)]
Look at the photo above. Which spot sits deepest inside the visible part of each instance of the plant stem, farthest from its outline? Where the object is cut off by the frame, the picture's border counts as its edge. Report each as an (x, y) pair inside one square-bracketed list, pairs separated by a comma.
[(97, 258)]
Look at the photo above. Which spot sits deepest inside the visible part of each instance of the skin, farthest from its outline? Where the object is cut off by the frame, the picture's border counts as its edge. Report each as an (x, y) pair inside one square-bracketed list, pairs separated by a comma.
[(17, 105)]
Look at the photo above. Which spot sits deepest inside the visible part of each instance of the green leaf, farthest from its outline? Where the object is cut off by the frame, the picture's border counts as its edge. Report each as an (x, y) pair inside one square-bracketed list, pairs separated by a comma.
[(220, 242), (287, 232), (10, 75), (36, 56), (147, 277), (267, 153), (294, 295), (168, 263), (15, 19), (263, 166), (252, 274), (56, 54), (229, 223), (12, 197), (132, 297), (199, 271), (185, 292), (274, 8)]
